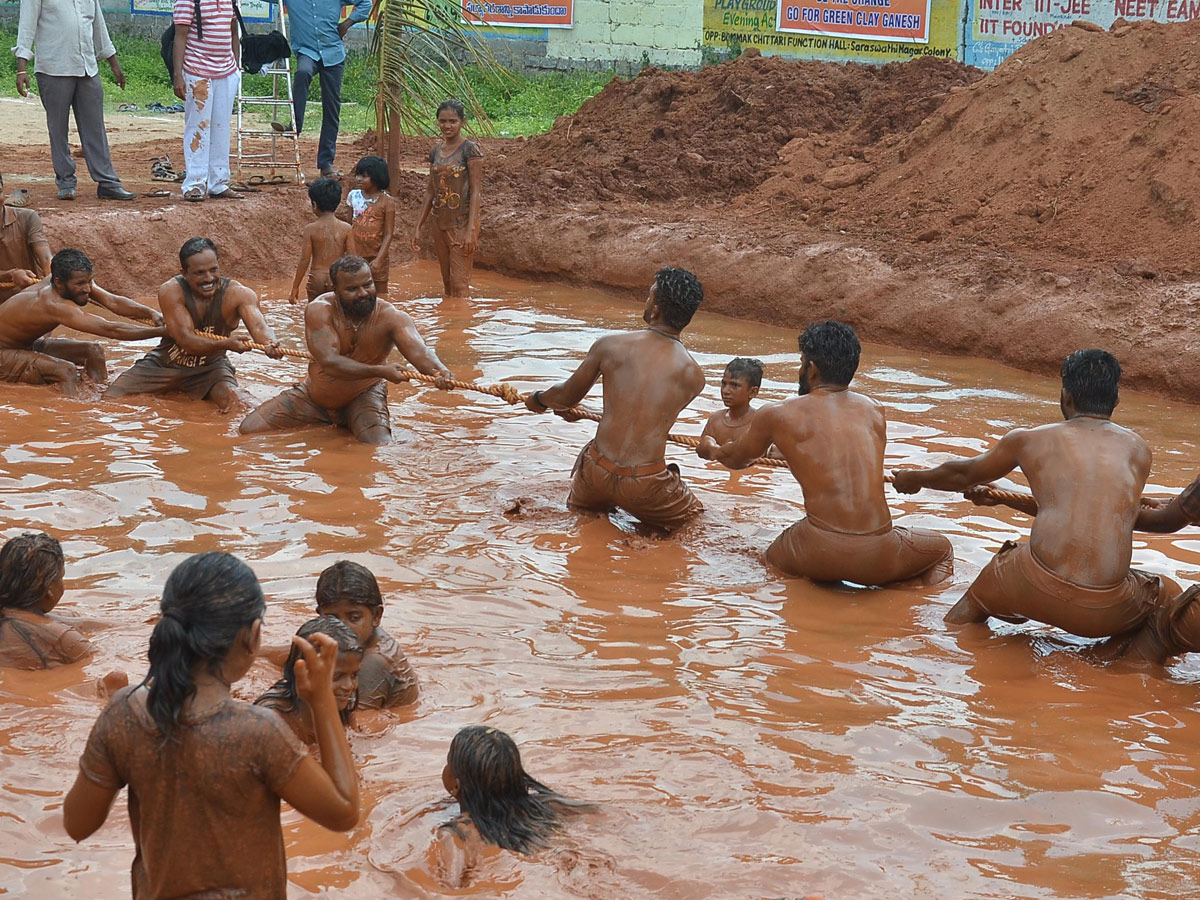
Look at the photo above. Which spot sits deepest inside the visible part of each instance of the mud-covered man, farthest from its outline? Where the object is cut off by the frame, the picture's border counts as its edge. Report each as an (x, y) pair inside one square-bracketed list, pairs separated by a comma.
[(350, 334), (1086, 474), (198, 302), (28, 356), (649, 377), (24, 250), (833, 439)]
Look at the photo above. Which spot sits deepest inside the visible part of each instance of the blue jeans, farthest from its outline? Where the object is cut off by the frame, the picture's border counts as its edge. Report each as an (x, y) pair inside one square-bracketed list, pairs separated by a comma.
[(331, 103)]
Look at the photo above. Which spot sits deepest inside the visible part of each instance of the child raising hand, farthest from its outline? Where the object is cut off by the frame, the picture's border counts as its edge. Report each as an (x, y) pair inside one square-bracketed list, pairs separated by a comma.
[(206, 772)]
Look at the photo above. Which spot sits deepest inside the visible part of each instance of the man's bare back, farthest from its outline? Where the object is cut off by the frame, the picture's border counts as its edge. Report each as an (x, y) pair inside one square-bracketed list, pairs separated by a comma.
[(648, 378)]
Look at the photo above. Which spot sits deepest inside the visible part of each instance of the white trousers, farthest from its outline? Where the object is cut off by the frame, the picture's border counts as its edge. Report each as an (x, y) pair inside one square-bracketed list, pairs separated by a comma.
[(207, 120)]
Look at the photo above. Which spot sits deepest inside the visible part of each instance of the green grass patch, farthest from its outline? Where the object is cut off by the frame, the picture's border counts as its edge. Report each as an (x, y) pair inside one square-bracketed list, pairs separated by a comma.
[(528, 105)]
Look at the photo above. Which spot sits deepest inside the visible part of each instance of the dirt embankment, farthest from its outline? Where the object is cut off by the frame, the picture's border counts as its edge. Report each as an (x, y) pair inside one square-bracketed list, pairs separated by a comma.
[(1019, 216)]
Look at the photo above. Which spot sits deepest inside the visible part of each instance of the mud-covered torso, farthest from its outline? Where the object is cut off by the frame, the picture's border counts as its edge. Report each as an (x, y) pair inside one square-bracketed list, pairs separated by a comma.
[(451, 183), (208, 317), (368, 342)]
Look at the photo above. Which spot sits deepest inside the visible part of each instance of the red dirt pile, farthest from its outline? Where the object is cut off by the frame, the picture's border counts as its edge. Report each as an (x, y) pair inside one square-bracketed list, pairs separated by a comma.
[(1081, 142), (716, 132)]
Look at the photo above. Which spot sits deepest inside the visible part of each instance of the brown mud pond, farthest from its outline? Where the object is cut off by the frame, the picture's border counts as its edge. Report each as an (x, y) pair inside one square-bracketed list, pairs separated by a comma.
[(745, 736)]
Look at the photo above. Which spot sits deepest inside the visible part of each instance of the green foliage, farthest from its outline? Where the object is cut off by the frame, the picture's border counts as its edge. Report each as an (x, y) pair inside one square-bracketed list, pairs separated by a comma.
[(521, 105)]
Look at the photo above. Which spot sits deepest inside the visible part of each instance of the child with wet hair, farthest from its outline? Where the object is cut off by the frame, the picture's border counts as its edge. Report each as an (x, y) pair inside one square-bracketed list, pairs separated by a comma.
[(500, 803), (373, 217), (349, 592), (739, 385), (286, 700), (31, 584), (206, 772), (324, 241)]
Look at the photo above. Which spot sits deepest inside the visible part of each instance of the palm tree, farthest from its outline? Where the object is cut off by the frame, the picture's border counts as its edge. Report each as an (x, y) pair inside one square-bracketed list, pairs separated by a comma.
[(423, 50)]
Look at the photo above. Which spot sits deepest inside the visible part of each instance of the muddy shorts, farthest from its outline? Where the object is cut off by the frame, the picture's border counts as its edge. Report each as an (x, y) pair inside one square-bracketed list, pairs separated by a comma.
[(893, 554), (654, 493), (294, 408), (318, 284), (150, 376), (27, 366), (1015, 586), (448, 243)]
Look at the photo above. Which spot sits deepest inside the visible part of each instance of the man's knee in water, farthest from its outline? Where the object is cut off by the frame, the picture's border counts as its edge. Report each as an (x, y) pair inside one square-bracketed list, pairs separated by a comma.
[(375, 435), (224, 396), (253, 424), (966, 612)]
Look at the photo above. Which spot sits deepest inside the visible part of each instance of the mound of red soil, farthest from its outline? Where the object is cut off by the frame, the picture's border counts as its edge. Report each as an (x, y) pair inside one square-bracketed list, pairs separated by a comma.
[(1081, 142), (716, 132)]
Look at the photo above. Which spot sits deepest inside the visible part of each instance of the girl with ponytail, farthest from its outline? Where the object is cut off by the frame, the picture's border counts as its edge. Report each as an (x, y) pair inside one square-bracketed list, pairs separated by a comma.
[(206, 772), (31, 584)]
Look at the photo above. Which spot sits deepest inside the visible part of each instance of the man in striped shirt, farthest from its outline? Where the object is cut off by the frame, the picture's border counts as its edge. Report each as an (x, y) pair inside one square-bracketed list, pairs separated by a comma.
[(206, 80)]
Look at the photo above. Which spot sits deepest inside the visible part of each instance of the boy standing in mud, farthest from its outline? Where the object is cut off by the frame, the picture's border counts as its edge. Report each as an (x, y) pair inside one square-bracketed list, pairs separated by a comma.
[(325, 241), (648, 379), (29, 356), (833, 440)]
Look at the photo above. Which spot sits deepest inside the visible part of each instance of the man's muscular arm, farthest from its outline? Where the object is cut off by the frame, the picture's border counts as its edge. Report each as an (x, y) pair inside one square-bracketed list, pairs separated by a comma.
[(1168, 518), (250, 313), (408, 341), (70, 315), (961, 474), (183, 331), (123, 306), (569, 393), (741, 452)]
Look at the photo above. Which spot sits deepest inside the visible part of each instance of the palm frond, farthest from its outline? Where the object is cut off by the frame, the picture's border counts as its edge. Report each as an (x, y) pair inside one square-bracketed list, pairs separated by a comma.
[(423, 51)]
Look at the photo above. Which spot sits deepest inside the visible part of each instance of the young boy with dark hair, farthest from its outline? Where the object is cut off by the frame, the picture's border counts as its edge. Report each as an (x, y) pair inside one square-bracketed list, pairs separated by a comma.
[(325, 240), (739, 385)]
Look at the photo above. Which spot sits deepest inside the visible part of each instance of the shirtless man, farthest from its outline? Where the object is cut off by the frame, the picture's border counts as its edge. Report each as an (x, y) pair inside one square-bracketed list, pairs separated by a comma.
[(24, 250), (350, 333), (199, 300), (833, 440), (1086, 475), (28, 356), (648, 379)]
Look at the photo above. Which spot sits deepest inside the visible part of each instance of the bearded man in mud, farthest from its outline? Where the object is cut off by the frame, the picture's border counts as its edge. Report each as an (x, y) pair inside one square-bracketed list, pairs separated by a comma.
[(350, 333), (196, 303), (1086, 474), (648, 379), (833, 440), (28, 356)]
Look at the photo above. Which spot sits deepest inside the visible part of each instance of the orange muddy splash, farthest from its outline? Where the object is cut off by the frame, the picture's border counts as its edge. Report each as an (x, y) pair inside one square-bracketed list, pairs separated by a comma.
[(747, 737)]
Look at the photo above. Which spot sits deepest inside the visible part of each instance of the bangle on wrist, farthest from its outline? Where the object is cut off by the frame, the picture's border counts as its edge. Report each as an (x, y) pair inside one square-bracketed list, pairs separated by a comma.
[(537, 398)]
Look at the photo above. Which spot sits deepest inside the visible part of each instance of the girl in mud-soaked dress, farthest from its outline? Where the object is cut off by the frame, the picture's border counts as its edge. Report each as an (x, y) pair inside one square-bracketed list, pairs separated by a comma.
[(453, 195), (285, 699), (206, 772), (501, 805), (31, 584), (373, 217)]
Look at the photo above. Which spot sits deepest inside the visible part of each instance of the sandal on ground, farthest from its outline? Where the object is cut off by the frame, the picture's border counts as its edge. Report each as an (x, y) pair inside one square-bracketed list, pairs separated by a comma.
[(277, 179), (18, 198), (195, 195), (161, 192), (128, 107), (244, 187), (226, 194), (256, 180)]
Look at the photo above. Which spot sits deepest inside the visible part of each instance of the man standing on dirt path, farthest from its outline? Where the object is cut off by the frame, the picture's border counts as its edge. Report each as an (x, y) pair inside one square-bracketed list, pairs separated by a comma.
[(833, 440), (196, 303), (350, 334), (317, 34), (28, 356), (1086, 474), (24, 250), (649, 377), (70, 35)]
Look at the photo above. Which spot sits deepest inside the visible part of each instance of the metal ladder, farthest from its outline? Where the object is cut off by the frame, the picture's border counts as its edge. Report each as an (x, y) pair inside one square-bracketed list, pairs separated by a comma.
[(267, 148)]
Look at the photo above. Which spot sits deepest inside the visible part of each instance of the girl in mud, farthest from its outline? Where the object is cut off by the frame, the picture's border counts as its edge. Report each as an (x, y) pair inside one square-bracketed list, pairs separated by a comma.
[(206, 772), (452, 195), (286, 700), (501, 804), (373, 217), (31, 584)]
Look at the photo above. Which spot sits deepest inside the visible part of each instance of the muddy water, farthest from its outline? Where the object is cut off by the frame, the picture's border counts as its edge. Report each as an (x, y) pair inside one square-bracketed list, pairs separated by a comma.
[(745, 736)]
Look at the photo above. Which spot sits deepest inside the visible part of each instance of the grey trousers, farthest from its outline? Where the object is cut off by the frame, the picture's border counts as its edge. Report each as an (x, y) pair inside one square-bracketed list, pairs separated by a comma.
[(60, 94)]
